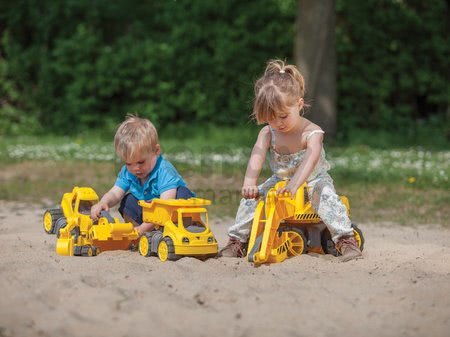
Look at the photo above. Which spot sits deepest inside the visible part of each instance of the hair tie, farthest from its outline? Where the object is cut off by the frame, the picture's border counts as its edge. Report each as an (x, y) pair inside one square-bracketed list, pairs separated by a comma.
[(282, 71)]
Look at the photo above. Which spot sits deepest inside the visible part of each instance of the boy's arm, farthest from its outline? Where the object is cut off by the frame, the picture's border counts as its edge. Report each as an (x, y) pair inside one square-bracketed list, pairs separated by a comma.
[(312, 155), (146, 226), (111, 198), (169, 194), (255, 163)]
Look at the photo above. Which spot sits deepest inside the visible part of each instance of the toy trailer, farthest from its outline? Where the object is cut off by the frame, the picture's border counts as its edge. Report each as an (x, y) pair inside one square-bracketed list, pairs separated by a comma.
[(181, 229), (284, 227)]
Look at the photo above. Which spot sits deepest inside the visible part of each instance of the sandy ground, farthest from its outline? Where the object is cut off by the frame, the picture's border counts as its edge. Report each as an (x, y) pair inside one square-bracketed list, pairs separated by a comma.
[(400, 288)]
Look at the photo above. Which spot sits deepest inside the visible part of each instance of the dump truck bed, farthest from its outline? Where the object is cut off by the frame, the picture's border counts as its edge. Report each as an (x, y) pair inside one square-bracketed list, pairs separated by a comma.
[(160, 211)]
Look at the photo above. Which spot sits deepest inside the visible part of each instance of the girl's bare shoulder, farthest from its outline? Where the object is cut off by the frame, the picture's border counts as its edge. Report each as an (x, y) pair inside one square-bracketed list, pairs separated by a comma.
[(265, 132), (309, 127), (265, 136)]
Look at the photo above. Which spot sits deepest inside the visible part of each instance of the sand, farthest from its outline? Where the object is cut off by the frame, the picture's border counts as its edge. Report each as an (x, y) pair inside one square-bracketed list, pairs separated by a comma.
[(400, 288)]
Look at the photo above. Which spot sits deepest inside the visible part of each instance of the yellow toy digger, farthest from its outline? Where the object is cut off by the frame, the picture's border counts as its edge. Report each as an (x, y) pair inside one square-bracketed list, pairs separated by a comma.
[(77, 234), (285, 227), (181, 229)]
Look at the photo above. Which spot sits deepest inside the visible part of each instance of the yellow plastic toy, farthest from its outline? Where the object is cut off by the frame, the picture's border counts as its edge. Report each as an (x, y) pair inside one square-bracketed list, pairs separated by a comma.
[(285, 227), (181, 229), (78, 234)]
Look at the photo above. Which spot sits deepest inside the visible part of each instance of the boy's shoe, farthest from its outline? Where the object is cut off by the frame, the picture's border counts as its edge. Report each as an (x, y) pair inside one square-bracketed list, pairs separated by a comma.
[(349, 249), (234, 248)]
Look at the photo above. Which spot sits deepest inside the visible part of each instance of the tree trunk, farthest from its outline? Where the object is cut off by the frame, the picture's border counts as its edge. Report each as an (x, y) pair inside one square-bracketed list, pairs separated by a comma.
[(315, 55)]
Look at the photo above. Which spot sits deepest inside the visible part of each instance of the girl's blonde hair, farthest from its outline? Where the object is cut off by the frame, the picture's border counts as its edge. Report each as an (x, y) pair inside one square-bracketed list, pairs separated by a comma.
[(281, 86), (135, 136)]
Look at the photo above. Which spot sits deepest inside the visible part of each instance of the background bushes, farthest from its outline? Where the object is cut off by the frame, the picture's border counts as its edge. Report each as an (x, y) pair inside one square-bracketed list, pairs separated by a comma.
[(68, 66)]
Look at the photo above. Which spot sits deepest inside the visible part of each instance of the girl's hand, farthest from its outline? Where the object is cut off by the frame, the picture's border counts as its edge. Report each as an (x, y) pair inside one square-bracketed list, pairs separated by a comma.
[(250, 192), (97, 208), (289, 188)]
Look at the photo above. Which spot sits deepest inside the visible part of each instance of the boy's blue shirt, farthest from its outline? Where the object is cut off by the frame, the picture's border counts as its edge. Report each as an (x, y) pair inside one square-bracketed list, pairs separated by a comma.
[(162, 178)]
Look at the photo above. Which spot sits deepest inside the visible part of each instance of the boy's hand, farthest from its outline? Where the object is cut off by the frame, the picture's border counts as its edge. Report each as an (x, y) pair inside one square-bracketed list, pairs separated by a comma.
[(97, 208), (250, 192)]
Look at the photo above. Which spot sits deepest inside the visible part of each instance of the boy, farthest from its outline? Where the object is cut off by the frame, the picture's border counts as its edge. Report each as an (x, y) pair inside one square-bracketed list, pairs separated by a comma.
[(146, 174)]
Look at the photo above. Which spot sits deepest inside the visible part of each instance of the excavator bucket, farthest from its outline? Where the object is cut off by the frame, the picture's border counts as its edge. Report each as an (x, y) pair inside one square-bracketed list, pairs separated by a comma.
[(265, 240)]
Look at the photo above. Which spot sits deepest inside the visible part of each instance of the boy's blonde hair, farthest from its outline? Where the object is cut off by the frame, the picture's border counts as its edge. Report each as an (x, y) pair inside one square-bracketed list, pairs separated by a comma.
[(281, 86), (135, 136)]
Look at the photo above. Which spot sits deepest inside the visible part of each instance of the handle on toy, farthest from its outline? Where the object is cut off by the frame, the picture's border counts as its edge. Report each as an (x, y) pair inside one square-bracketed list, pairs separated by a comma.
[(105, 214)]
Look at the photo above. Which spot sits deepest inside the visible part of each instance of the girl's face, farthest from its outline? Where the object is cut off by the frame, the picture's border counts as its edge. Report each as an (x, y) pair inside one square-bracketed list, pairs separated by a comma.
[(286, 121)]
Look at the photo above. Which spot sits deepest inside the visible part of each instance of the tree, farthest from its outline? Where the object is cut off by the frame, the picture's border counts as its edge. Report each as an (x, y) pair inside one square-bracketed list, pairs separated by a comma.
[(315, 55)]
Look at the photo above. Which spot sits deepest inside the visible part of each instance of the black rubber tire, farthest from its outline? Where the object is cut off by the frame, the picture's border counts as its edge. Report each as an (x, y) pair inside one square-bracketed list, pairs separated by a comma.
[(148, 237), (87, 251), (56, 214), (297, 231), (95, 250), (171, 248), (61, 223), (328, 245)]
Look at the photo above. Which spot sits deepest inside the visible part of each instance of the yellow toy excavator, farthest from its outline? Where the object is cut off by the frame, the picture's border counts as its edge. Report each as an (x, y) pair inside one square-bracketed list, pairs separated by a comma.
[(285, 226), (77, 234)]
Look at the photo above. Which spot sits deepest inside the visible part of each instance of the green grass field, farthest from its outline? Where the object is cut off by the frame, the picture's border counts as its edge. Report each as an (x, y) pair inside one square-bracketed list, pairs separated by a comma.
[(404, 185)]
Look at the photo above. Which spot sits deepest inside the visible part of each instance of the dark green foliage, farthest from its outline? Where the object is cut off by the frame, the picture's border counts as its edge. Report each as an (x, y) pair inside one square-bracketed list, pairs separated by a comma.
[(393, 66), (83, 64), (68, 66)]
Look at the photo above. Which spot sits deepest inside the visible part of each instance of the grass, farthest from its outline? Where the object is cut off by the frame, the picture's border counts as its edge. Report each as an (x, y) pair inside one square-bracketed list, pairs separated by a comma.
[(408, 186)]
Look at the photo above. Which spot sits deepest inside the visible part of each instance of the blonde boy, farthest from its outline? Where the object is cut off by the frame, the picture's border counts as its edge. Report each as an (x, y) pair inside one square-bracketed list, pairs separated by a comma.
[(146, 174)]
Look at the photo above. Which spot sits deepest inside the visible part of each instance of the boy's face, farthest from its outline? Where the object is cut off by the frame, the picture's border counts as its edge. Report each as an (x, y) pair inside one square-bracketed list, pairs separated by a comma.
[(141, 164)]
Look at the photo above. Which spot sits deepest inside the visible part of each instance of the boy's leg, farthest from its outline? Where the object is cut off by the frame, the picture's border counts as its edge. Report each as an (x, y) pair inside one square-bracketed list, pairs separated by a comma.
[(333, 213), (130, 210), (184, 193)]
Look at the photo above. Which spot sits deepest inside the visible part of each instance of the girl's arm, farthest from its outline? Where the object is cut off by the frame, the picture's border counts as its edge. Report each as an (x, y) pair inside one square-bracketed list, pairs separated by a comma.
[(111, 198), (312, 154), (255, 164)]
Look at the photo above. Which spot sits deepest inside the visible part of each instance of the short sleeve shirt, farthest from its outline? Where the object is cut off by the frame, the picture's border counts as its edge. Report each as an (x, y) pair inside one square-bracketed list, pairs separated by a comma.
[(162, 178)]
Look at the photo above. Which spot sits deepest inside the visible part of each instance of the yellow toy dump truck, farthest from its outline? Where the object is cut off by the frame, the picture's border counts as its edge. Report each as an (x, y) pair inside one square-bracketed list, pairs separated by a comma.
[(285, 227), (181, 229), (77, 234)]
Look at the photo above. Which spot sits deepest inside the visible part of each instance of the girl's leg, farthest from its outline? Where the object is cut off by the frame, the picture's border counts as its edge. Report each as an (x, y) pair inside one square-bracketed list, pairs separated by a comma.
[(246, 212), (330, 208), (244, 218), (333, 213), (240, 231)]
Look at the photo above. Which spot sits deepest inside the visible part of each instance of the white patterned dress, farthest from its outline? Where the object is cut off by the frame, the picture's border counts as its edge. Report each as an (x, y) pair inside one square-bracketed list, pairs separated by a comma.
[(322, 194)]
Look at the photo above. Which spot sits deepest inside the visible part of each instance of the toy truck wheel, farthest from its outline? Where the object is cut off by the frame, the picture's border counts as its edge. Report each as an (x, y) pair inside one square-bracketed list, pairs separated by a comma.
[(95, 250), (145, 244), (358, 236), (87, 251), (166, 250), (328, 245), (296, 240), (50, 217), (60, 223)]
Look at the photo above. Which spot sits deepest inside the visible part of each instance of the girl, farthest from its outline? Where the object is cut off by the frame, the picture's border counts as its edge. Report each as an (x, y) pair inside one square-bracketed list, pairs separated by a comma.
[(296, 154)]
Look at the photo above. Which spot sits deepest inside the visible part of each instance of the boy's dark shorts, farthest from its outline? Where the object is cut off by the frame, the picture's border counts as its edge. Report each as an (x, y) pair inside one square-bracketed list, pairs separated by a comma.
[(129, 204)]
